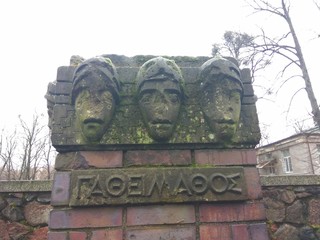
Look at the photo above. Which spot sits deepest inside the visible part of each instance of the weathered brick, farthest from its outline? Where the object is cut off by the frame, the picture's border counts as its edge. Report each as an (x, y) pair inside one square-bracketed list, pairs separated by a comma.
[(63, 88), (248, 90), (105, 159), (158, 157), (17, 230), (51, 88), (85, 217), (215, 232), (160, 214), (314, 211), (113, 234), (60, 189), (253, 183), (246, 75), (38, 234), (4, 235), (60, 111), (57, 235), (240, 232), (66, 161), (78, 236), (65, 73), (258, 231), (226, 157), (229, 212), (249, 100), (176, 233)]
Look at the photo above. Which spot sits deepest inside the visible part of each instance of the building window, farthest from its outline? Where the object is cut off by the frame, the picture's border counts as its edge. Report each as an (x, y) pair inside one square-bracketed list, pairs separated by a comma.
[(287, 164), (272, 169)]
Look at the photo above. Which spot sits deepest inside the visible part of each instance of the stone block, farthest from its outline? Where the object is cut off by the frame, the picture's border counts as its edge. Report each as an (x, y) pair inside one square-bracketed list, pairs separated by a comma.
[(226, 157), (215, 232), (275, 210), (288, 196), (158, 157), (36, 213), (249, 100), (60, 189), (116, 186), (248, 90), (168, 233), (287, 231), (228, 212), (52, 90), (85, 217), (111, 234), (160, 214), (240, 232), (314, 211), (63, 88), (13, 213), (246, 75), (65, 74), (295, 213)]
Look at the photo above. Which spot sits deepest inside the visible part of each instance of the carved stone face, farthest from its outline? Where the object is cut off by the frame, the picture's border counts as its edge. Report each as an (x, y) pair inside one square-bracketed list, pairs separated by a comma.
[(95, 94), (94, 111), (221, 106), (220, 100), (159, 102)]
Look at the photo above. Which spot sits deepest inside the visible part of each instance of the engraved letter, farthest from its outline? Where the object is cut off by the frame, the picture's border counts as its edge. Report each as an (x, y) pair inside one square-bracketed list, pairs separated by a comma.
[(219, 183), (135, 185), (199, 183), (158, 181), (181, 186), (116, 185)]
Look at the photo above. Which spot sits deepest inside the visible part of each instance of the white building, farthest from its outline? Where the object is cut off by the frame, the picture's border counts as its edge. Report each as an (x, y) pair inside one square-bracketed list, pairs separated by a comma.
[(297, 154)]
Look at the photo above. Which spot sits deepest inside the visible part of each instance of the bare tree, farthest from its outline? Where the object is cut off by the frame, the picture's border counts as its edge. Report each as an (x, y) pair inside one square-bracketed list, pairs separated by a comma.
[(317, 3), (241, 46), (7, 151), (33, 144), (292, 53), (26, 154)]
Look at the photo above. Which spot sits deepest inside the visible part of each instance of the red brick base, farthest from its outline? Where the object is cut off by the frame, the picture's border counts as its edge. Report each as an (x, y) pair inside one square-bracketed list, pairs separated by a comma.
[(238, 220)]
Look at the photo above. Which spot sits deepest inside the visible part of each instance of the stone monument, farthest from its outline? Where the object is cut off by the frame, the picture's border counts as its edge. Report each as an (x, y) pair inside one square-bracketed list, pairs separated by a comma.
[(154, 147)]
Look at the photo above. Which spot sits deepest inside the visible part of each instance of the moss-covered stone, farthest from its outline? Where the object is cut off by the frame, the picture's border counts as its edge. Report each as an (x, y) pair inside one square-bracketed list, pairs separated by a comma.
[(127, 127)]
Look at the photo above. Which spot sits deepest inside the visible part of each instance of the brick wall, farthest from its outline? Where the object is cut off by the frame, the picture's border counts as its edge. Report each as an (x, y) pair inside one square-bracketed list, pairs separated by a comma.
[(229, 220), (292, 206)]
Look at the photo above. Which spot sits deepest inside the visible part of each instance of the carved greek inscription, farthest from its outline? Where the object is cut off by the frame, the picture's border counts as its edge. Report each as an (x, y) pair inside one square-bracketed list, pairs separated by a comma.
[(119, 186)]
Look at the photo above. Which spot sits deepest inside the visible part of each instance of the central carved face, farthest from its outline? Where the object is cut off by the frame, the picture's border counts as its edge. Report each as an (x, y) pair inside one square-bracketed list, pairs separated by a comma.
[(159, 102), (221, 106), (94, 111)]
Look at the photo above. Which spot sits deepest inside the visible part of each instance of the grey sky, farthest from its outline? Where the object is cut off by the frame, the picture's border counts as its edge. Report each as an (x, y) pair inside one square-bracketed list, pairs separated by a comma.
[(38, 36)]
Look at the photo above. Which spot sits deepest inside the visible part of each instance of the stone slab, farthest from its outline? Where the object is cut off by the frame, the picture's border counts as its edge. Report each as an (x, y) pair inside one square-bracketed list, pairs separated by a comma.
[(157, 185)]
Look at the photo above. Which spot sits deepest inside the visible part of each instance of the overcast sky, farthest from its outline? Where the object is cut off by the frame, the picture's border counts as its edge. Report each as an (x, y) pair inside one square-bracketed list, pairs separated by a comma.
[(38, 36)]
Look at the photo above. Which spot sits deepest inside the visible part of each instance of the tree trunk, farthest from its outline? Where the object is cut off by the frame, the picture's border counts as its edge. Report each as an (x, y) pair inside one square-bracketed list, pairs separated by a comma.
[(304, 70)]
